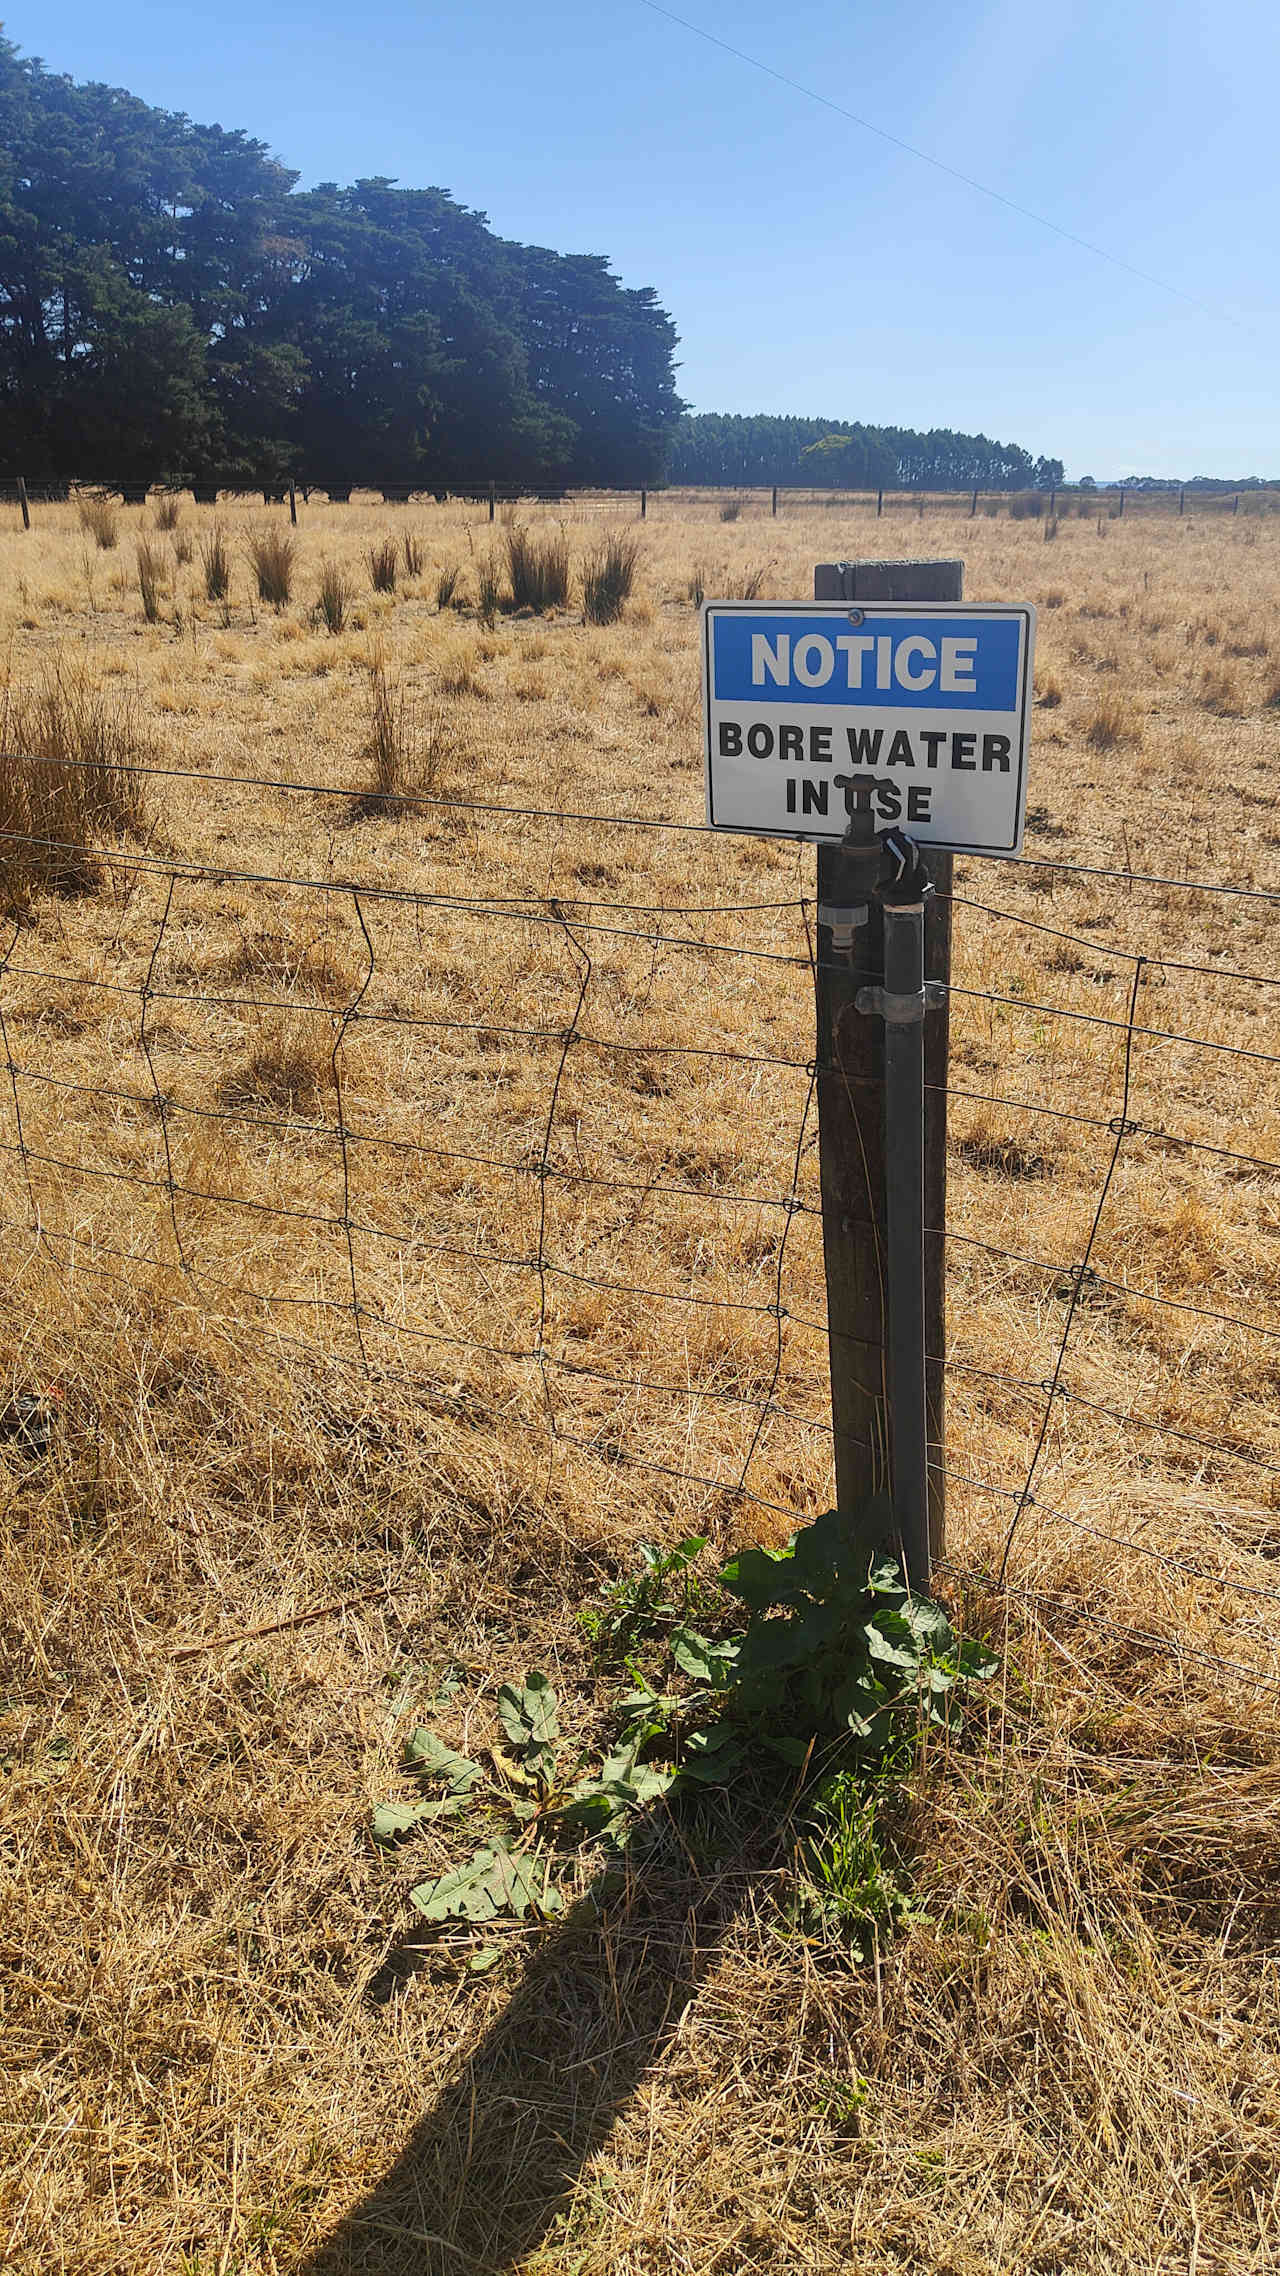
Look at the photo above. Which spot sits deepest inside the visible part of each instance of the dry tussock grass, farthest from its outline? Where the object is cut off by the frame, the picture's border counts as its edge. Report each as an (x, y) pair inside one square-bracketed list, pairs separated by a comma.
[(98, 515), (68, 746), (223, 2051), (286, 1068)]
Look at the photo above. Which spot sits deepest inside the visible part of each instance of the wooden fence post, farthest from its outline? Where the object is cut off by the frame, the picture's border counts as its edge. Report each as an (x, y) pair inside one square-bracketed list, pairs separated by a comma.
[(850, 1086), (293, 507), (879, 503), (774, 507), (22, 501)]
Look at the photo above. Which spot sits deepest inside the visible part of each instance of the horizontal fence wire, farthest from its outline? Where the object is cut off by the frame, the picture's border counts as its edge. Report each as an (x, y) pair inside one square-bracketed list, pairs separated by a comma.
[(441, 803), (1026, 501), (582, 925)]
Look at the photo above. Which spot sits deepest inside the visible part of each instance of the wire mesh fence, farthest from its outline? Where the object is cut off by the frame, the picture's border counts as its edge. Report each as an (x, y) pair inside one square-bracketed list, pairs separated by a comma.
[(543, 1160), (725, 499)]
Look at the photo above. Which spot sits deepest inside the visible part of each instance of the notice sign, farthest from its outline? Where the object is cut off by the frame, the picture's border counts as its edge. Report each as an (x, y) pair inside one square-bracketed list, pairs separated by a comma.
[(917, 711)]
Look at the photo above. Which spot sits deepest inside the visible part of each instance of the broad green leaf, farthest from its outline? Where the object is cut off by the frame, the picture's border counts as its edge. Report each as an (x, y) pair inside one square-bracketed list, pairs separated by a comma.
[(857, 1702), (767, 1646), (487, 1957), (712, 1737), (794, 1752), (828, 1552), (647, 1715), (977, 1663), (391, 1820), (928, 1624), (706, 1662), (528, 1714), (525, 1884), (759, 1577), (649, 1783), (592, 1805), (712, 1756), (620, 1765), (467, 1892), (429, 1754), (492, 1882), (883, 1648)]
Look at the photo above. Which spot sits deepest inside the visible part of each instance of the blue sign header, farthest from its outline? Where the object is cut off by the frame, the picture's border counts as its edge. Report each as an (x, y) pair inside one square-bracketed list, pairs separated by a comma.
[(932, 662)]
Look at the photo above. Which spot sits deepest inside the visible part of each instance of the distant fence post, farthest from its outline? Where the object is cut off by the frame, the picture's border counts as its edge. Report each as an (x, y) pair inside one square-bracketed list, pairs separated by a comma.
[(850, 1059), (22, 501), (774, 505), (973, 505), (644, 503), (1120, 516), (1182, 501), (493, 499), (293, 507), (1235, 503), (1053, 501), (879, 503)]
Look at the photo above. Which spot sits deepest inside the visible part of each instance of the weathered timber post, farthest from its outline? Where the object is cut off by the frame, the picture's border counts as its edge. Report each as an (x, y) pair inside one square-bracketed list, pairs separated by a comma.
[(850, 1084), (22, 501), (774, 507)]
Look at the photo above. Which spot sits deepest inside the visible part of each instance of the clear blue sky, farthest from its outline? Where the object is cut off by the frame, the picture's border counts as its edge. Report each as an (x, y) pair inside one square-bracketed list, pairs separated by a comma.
[(810, 266)]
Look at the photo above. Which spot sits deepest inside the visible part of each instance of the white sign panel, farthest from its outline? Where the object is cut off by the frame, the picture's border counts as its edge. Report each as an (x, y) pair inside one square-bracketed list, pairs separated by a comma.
[(916, 711)]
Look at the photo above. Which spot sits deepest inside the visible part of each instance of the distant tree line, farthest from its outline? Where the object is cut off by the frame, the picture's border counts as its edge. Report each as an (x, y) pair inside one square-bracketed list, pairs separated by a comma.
[(171, 305), (1216, 483), (759, 448)]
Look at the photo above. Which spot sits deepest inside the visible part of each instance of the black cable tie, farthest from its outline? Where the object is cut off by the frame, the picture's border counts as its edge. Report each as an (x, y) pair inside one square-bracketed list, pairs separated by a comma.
[(1119, 1128)]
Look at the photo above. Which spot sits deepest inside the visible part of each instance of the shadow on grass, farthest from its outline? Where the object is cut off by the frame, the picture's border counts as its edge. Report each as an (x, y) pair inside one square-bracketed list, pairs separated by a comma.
[(494, 2161)]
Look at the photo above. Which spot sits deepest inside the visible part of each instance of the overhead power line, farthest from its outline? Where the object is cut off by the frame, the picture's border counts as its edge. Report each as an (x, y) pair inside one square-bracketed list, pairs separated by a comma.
[(940, 165)]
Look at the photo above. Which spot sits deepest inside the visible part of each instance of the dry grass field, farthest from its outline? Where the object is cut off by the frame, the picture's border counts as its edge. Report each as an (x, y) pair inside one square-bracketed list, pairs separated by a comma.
[(391, 1191)]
